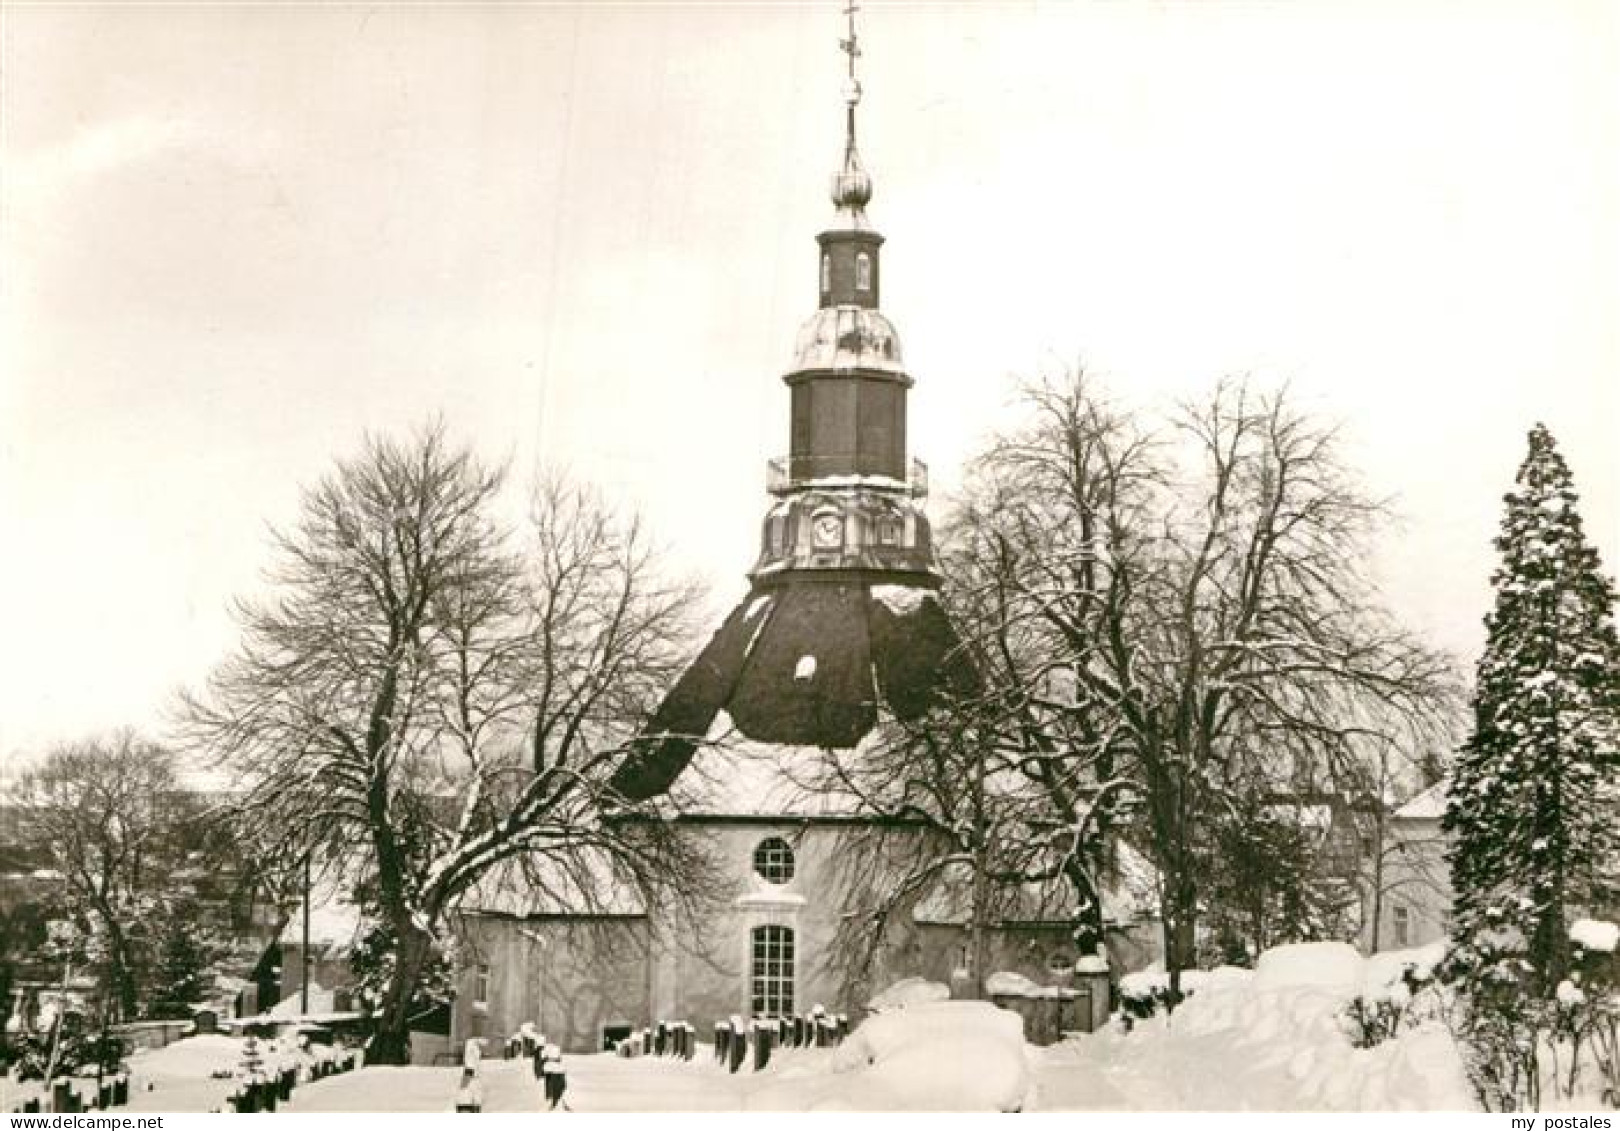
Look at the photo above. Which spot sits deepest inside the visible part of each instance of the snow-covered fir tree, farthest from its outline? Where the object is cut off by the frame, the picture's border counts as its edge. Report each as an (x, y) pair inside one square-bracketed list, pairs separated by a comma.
[(183, 970), (1532, 808)]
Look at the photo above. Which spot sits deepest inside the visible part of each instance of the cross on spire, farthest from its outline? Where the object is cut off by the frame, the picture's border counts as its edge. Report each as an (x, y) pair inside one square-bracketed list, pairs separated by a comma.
[(852, 45)]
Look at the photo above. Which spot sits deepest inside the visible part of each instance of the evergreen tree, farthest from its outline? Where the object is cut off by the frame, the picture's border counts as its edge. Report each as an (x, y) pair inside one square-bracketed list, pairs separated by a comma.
[(1532, 804), (1270, 882), (182, 974), (372, 961)]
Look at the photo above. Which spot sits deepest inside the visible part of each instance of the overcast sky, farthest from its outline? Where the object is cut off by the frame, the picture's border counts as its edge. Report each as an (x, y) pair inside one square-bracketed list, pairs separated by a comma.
[(234, 239)]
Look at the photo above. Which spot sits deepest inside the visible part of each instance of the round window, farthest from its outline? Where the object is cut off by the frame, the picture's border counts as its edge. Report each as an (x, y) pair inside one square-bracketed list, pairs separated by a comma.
[(773, 860)]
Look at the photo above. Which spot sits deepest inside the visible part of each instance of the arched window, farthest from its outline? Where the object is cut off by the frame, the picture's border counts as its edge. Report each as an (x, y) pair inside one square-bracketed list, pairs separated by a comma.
[(863, 272), (826, 272), (773, 860), (771, 983)]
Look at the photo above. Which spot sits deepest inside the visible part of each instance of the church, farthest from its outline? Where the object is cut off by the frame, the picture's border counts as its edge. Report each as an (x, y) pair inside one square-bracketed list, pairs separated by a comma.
[(840, 632)]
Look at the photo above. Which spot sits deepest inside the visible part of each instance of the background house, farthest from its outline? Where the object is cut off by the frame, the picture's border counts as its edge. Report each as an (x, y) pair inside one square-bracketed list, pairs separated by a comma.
[(1415, 902)]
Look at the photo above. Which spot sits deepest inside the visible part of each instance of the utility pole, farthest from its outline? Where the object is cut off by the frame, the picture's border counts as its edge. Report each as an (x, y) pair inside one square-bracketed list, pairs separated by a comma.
[(303, 991)]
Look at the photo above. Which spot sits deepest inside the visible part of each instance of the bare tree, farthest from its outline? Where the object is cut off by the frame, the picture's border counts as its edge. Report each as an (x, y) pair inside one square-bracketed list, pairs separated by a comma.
[(1185, 617), (104, 812), (946, 818), (444, 699)]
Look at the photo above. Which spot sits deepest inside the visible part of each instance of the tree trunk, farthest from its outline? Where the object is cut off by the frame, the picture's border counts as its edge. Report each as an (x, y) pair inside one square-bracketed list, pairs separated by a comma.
[(391, 1043), (981, 881), (1180, 927), (1374, 936), (1088, 933), (120, 975)]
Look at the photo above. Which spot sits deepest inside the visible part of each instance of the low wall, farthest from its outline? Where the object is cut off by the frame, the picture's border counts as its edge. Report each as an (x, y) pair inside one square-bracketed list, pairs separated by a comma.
[(152, 1034), (1083, 1009)]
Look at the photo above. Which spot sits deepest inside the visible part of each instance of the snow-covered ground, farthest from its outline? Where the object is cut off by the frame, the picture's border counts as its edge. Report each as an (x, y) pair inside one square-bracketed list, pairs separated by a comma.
[(1273, 1038), (950, 1056), (506, 1085), (1270, 1039)]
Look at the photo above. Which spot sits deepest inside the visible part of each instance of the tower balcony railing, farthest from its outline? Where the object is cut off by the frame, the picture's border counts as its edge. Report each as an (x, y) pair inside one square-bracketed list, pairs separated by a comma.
[(791, 473)]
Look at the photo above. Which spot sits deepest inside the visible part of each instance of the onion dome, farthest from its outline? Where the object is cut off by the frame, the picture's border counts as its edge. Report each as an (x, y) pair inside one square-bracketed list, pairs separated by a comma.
[(851, 186), (846, 338)]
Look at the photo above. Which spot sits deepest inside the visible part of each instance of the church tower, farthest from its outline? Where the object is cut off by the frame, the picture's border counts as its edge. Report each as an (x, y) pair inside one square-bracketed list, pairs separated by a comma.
[(842, 622), (849, 494)]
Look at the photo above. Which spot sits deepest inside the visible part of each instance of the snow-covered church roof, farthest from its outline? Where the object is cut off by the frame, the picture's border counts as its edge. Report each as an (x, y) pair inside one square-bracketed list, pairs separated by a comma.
[(809, 664), (731, 775)]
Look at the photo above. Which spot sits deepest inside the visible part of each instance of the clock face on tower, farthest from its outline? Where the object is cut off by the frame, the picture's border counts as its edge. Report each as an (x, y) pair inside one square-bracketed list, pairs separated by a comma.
[(827, 531)]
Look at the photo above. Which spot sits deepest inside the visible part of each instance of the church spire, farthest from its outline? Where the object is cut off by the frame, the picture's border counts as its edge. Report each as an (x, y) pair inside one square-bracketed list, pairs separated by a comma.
[(841, 621), (852, 186), (849, 247)]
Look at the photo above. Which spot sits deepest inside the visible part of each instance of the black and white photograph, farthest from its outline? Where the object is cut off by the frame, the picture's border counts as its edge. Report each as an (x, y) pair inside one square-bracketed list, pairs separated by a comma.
[(842, 555)]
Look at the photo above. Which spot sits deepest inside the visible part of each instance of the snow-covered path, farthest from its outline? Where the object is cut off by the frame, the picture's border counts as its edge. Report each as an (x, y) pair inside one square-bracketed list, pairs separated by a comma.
[(611, 1083), (1067, 1079), (179, 1077), (508, 1085)]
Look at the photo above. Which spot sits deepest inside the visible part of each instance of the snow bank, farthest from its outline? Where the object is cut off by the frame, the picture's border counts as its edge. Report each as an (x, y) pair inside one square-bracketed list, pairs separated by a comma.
[(910, 991), (1327, 965), (944, 1056), (1143, 983), (1595, 934), (1273, 1039)]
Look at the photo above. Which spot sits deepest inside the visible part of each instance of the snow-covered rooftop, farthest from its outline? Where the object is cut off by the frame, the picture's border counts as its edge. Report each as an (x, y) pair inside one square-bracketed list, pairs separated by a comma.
[(732, 775), (1430, 805), (804, 665)]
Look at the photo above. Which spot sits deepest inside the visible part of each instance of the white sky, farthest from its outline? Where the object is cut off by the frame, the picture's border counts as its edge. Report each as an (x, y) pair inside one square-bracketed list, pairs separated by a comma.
[(236, 238)]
